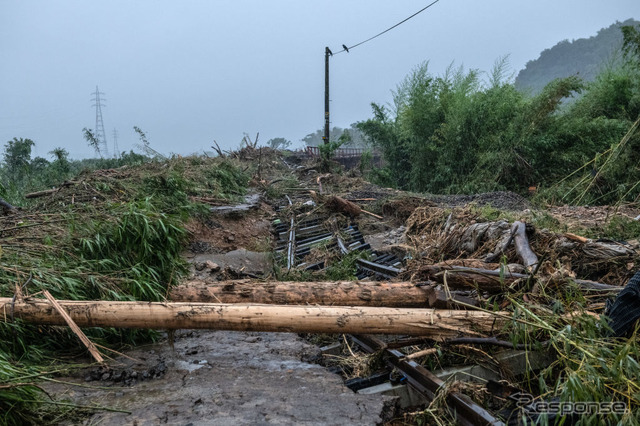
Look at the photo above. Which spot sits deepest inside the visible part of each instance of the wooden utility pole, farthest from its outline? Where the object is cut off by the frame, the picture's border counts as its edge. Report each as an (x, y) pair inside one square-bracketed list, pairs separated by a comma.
[(327, 53)]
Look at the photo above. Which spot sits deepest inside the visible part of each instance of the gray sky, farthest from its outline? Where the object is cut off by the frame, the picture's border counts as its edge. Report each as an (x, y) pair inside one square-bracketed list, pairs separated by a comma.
[(188, 72)]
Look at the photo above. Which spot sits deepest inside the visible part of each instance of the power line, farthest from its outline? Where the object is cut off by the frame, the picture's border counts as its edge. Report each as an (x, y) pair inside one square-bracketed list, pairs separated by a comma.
[(346, 49)]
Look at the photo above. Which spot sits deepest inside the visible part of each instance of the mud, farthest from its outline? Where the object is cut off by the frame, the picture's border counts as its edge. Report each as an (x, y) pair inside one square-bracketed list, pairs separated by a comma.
[(222, 378), (223, 233)]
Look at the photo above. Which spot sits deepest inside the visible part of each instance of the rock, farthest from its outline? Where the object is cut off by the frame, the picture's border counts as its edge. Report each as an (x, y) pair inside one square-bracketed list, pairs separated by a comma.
[(200, 266), (211, 266), (250, 202)]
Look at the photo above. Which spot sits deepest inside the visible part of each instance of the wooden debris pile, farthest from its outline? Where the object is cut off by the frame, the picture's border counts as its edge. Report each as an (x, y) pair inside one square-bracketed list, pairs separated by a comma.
[(439, 235)]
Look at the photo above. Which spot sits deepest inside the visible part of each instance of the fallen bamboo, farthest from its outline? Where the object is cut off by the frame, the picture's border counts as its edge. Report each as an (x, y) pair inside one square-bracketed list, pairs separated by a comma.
[(39, 194), (438, 324), (339, 293), (74, 327)]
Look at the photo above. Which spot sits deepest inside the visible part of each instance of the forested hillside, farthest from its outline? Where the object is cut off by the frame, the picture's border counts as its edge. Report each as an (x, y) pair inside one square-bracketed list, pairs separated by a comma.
[(585, 57)]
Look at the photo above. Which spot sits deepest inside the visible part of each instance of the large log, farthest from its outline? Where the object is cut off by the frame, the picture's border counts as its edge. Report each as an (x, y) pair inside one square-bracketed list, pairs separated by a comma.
[(6, 207), (458, 277), (434, 323), (340, 293)]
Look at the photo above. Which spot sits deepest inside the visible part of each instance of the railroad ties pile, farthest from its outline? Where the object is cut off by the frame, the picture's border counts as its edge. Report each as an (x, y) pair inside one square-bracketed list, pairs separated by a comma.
[(296, 241)]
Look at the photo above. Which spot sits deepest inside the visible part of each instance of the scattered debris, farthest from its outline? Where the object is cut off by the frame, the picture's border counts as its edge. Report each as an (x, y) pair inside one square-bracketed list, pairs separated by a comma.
[(455, 288)]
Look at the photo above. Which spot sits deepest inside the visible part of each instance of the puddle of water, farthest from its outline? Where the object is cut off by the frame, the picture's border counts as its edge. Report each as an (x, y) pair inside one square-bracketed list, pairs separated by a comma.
[(277, 365), (189, 366)]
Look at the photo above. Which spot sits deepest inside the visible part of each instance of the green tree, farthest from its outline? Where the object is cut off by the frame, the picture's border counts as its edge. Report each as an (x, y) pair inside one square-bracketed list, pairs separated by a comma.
[(60, 167), (356, 138), (631, 41), (17, 159), (278, 143), (456, 133)]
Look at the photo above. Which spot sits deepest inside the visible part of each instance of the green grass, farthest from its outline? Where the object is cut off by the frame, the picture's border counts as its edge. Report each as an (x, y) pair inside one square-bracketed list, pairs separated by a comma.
[(617, 228)]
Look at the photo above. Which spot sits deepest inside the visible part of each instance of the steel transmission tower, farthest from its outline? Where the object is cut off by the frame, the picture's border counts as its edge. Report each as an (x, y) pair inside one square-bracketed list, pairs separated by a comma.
[(116, 151), (99, 130)]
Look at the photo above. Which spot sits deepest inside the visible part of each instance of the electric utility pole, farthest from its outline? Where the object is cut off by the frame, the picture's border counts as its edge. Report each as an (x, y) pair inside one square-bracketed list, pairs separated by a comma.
[(99, 130), (327, 53)]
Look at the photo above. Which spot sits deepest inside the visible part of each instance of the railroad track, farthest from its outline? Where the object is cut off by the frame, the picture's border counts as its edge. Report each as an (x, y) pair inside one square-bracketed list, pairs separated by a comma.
[(296, 239)]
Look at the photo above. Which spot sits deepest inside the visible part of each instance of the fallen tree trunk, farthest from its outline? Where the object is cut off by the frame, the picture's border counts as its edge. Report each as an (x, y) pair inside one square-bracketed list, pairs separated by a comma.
[(438, 324), (523, 249), (340, 293), (457, 277), (6, 206), (46, 192), (491, 280)]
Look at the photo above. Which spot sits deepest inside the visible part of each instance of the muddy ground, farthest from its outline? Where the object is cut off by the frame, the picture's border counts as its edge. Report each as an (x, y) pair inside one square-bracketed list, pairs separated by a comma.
[(221, 378)]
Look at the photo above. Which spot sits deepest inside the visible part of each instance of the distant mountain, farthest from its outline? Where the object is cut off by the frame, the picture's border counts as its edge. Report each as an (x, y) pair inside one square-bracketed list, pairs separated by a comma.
[(584, 56)]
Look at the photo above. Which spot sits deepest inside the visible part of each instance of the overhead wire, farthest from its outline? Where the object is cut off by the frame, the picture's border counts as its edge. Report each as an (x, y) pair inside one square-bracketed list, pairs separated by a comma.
[(388, 29)]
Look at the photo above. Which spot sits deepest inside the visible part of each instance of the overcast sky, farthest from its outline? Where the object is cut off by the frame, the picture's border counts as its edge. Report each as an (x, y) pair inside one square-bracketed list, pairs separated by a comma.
[(188, 72)]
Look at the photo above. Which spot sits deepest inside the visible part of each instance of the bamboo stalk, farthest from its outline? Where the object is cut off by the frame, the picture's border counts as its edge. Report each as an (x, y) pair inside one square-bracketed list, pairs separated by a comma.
[(422, 353), (74, 327), (438, 324)]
